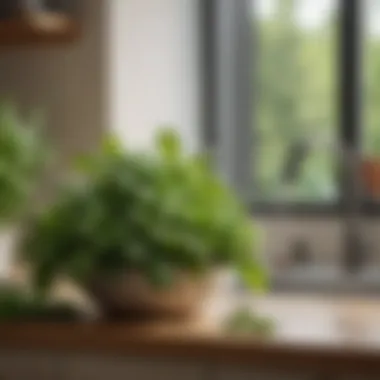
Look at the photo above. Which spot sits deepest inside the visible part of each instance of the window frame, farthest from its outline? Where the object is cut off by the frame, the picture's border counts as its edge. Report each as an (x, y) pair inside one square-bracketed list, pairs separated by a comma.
[(228, 99)]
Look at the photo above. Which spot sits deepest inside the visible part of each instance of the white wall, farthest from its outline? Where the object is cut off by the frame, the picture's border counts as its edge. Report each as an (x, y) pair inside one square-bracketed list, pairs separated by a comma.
[(153, 69)]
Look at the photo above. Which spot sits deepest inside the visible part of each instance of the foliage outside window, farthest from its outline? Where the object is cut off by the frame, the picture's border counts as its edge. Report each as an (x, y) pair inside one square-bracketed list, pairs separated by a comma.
[(296, 47)]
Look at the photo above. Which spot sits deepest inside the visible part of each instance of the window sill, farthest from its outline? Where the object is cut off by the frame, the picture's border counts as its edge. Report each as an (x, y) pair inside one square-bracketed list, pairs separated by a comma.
[(296, 209), (367, 209), (330, 280)]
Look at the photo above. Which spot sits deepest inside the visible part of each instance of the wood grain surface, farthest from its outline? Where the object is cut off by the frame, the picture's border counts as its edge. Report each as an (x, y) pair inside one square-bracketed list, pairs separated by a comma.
[(336, 335)]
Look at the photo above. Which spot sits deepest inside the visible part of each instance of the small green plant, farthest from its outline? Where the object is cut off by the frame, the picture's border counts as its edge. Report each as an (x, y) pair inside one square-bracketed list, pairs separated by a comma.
[(17, 305), (157, 214), (245, 322), (20, 160)]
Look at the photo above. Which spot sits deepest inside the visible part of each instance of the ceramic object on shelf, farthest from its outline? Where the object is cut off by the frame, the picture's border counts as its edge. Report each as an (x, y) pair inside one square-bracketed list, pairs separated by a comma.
[(13, 8), (35, 6)]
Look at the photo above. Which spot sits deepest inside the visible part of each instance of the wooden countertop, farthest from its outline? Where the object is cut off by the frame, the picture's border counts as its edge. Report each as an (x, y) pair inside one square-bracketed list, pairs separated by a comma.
[(333, 334), (314, 334)]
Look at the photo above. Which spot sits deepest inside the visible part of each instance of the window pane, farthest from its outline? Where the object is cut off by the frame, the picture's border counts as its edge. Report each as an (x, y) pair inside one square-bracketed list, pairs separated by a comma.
[(371, 104), (295, 92)]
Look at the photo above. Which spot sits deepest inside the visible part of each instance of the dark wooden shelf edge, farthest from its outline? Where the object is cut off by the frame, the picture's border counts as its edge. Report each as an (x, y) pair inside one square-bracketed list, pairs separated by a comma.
[(38, 29), (108, 339)]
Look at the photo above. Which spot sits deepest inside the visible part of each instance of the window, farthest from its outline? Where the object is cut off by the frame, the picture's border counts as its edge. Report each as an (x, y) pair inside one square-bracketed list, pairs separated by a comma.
[(293, 110), (293, 100), (296, 147)]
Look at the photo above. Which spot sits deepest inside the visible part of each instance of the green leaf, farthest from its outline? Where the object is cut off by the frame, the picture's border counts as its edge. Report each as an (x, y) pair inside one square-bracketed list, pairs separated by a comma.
[(244, 321), (85, 164), (160, 275), (254, 276), (112, 146), (169, 144), (21, 159)]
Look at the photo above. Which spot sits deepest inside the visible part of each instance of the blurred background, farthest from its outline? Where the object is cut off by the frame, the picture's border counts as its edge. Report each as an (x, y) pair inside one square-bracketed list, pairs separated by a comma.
[(283, 93), (283, 96)]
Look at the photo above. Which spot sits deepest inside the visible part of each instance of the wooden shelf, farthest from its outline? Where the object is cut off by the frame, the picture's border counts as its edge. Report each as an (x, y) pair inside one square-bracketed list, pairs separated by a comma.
[(332, 335), (43, 28)]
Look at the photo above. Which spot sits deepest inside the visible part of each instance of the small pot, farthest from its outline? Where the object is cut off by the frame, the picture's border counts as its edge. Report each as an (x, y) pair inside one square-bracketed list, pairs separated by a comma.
[(132, 295), (370, 173)]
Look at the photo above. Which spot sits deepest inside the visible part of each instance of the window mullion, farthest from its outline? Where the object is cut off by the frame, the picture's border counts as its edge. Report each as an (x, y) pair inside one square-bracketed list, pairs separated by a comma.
[(350, 123)]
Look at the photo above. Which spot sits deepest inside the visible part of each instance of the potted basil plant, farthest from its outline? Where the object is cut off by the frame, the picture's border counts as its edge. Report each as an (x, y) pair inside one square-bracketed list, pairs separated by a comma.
[(144, 233), (20, 163)]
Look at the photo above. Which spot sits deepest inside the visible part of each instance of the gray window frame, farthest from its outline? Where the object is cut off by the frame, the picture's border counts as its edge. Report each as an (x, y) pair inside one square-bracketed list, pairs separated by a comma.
[(229, 96)]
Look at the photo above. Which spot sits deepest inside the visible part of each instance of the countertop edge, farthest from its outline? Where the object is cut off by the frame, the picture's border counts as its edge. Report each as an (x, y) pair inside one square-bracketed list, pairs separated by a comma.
[(123, 339)]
